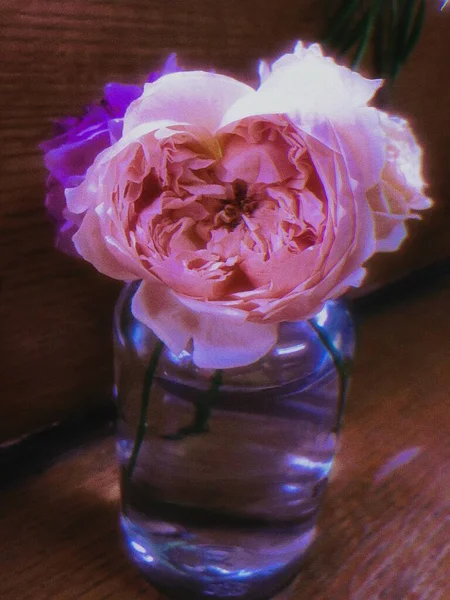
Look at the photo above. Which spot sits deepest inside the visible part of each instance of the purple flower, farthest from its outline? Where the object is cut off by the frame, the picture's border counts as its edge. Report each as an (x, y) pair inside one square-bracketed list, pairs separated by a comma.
[(76, 143)]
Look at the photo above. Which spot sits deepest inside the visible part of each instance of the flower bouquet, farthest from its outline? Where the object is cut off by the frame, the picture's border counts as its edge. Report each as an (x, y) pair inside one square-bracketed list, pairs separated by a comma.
[(238, 217)]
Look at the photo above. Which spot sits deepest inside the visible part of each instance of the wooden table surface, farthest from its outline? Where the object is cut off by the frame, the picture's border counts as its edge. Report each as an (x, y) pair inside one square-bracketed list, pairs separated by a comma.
[(385, 524)]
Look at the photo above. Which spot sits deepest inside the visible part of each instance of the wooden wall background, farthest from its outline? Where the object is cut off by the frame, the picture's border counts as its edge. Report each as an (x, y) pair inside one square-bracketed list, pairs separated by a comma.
[(55, 56)]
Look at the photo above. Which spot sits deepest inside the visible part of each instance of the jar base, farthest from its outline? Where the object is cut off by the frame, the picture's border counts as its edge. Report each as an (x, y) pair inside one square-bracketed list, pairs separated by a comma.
[(183, 567)]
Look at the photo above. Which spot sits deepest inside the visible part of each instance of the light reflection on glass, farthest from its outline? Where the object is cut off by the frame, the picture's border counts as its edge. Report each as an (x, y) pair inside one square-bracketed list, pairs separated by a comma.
[(139, 337), (148, 558), (306, 463), (138, 547), (291, 488), (322, 316), (178, 358), (290, 349)]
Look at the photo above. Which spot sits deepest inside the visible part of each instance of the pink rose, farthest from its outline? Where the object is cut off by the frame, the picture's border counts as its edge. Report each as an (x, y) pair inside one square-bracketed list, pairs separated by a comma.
[(238, 208), (399, 193)]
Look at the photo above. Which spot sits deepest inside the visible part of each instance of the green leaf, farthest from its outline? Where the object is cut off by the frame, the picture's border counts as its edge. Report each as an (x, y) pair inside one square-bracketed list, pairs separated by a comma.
[(408, 32), (364, 43), (381, 43), (404, 25), (392, 39), (416, 30), (340, 20), (355, 34), (393, 26), (395, 13)]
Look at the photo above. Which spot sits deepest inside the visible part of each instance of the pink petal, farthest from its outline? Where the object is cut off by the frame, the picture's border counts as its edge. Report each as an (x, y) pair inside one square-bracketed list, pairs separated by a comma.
[(155, 306), (306, 83), (258, 163), (220, 341), (223, 342), (91, 243), (193, 97), (390, 231)]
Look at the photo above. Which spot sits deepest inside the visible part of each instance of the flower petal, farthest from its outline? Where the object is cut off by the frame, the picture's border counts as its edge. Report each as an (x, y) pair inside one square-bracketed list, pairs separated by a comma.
[(308, 82), (91, 244), (118, 96), (193, 97), (78, 154), (220, 341), (155, 306), (223, 342)]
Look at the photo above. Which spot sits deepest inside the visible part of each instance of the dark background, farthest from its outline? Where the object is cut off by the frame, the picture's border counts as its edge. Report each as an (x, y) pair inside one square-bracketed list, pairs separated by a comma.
[(55, 57)]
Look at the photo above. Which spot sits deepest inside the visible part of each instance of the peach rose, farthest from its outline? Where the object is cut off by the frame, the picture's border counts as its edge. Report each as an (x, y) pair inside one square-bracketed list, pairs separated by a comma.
[(238, 209)]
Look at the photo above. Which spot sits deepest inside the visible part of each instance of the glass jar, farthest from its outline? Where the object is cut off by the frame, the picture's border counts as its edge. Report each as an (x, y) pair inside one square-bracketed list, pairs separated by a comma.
[(223, 472)]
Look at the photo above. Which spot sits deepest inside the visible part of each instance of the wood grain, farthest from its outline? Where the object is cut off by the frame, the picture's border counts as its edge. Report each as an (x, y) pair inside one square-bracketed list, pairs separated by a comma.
[(55, 56), (384, 529)]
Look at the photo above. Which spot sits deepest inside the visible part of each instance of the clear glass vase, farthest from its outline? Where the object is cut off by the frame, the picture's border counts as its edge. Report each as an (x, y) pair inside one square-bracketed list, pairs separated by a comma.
[(222, 473)]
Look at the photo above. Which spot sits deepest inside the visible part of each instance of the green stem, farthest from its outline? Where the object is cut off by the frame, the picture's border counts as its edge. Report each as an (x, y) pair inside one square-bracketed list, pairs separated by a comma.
[(202, 415), (145, 401), (342, 365)]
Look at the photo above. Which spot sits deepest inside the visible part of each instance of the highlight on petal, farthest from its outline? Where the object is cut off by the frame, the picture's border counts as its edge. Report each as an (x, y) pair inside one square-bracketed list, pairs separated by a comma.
[(219, 341), (192, 97), (157, 307), (223, 342), (360, 90), (303, 83), (263, 71)]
